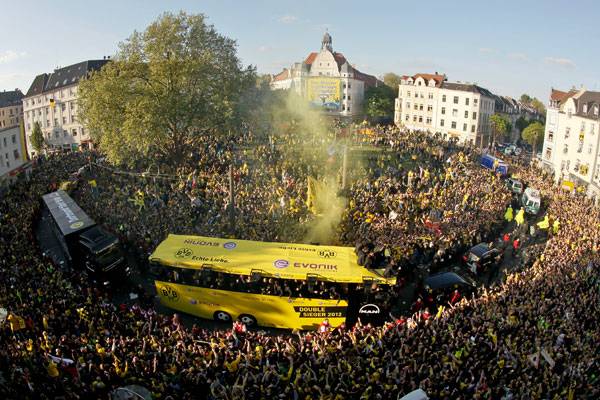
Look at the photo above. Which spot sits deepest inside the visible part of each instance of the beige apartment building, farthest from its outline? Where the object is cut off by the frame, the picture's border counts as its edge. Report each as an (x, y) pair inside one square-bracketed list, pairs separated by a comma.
[(11, 108), (51, 101)]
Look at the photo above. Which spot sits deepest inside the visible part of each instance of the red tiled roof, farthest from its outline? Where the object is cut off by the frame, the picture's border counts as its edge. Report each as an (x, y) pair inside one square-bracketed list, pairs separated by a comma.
[(560, 96), (339, 58), (283, 75), (311, 57), (437, 78)]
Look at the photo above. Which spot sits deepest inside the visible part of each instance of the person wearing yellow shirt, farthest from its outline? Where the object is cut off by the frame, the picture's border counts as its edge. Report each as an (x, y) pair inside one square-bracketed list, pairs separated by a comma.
[(52, 369)]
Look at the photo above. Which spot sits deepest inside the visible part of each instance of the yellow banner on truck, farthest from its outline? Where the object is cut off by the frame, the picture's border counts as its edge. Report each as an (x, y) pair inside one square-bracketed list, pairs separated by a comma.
[(280, 260)]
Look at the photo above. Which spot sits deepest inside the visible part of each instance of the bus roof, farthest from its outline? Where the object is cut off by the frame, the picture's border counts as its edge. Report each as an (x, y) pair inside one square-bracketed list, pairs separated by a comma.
[(282, 260), (68, 215)]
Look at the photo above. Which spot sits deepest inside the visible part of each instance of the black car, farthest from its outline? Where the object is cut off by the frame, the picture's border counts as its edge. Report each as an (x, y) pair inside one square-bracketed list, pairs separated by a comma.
[(481, 257), (439, 288)]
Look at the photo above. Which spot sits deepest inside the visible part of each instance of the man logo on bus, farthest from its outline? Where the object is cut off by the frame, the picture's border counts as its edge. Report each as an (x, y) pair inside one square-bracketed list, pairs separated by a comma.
[(170, 294), (281, 264), (183, 253), (327, 253), (229, 245), (76, 225)]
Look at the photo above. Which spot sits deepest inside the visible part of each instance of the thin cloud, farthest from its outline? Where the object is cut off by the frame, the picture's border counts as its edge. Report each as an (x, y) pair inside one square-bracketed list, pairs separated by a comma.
[(10, 56), (563, 62), (486, 50), (287, 19), (518, 56)]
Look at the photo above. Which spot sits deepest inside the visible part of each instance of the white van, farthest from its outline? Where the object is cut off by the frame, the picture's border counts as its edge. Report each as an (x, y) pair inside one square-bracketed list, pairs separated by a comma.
[(531, 200)]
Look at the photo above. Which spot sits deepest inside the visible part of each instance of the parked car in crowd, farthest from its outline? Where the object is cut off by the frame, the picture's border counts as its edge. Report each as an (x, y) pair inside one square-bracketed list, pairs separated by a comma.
[(482, 257), (515, 185)]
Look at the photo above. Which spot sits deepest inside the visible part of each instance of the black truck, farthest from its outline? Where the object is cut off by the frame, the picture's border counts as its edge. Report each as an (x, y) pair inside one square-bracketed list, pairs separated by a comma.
[(85, 245)]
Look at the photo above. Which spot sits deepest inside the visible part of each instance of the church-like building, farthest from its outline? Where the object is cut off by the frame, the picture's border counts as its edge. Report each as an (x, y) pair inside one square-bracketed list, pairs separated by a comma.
[(327, 80)]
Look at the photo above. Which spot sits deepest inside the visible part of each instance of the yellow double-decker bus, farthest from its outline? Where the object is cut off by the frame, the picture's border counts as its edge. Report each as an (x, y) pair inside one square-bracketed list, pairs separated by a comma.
[(281, 285)]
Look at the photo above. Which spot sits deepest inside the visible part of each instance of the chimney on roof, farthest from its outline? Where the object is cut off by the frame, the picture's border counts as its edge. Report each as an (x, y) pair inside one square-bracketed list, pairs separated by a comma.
[(436, 72), (104, 57), (108, 57)]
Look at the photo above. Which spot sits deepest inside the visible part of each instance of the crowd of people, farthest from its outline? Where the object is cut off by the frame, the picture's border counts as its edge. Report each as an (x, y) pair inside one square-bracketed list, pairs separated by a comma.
[(533, 336)]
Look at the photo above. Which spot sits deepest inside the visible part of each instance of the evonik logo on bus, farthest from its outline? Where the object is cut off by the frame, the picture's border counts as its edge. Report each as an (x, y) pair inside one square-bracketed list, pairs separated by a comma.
[(316, 266)]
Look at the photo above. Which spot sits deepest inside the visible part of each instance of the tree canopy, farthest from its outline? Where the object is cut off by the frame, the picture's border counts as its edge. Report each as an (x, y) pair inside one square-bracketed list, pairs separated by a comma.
[(379, 103), (166, 87), (533, 134), (392, 80), (37, 138), (500, 126)]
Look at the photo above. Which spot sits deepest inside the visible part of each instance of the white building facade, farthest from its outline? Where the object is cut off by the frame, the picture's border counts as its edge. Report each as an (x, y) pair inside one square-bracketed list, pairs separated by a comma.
[(51, 101), (12, 153), (572, 138), (327, 80), (455, 110)]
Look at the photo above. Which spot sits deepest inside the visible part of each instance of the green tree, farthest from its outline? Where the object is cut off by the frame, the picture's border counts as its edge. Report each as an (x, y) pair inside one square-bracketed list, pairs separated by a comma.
[(539, 106), (166, 89), (500, 126), (392, 80), (379, 103), (37, 138), (525, 98), (533, 134), (521, 124)]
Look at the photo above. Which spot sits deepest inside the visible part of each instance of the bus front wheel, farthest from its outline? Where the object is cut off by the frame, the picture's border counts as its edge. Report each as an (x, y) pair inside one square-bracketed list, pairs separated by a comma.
[(248, 320), (222, 316)]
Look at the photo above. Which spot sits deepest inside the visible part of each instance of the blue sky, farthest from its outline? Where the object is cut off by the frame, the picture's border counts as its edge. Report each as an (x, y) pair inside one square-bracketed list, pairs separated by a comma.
[(510, 47)]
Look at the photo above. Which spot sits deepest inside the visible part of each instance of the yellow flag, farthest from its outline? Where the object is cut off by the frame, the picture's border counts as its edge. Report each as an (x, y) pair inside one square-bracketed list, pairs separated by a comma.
[(311, 195)]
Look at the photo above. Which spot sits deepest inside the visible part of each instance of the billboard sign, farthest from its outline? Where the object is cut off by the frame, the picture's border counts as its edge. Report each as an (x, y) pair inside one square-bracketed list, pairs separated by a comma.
[(325, 93)]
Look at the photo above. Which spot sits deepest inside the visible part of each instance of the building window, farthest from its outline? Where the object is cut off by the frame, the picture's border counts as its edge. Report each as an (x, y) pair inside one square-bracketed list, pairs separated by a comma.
[(407, 105), (567, 132), (348, 97), (453, 124), (416, 107), (414, 118), (420, 119), (596, 109), (14, 139), (430, 96), (565, 149), (64, 120), (548, 154), (47, 123), (550, 136), (472, 128), (569, 113), (590, 148), (346, 110), (444, 98), (408, 93), (407, 117), (420, 107), (428, 120), (466, 114), (467, 101), (474, 114), (454, 112), (429, 108), (455, 99), (475, 101), (464, 127), (16, 154), (441, 122), (55, 121), (443, 110)]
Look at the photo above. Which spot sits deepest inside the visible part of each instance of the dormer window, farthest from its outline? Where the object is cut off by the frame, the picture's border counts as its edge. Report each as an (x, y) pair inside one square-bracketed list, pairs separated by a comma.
[(585, 108), (596, 109)]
